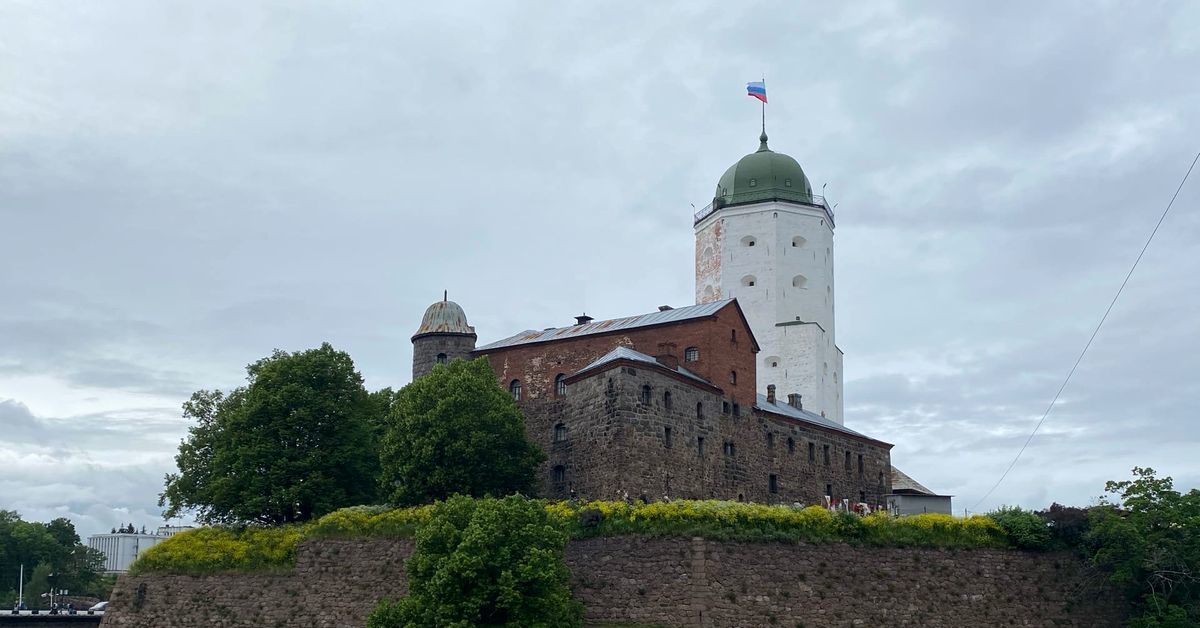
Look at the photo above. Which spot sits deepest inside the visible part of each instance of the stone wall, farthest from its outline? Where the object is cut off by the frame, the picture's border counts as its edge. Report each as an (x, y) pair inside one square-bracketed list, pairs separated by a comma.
[(427, 348), (667, 582)]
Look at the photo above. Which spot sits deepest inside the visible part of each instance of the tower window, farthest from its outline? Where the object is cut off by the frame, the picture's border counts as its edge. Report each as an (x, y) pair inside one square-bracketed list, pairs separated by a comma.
[(749, 241), (646, 394), (441, 358), (773, 483), (691, 354), (560, 433), (560, 385), (799, 281), (560, 474), (787, 183), (667, 441), (667, 400), (514, 388), (753, 182), (749, 280)]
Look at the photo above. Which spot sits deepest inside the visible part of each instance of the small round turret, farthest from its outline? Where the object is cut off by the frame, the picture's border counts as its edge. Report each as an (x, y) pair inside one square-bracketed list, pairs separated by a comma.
[(444, 335)]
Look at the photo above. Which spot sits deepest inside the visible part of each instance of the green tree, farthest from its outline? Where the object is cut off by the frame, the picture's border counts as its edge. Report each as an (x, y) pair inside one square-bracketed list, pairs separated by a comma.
[(54, 544), (40, 581), (1025, 528), (1149, 539), (456, 431), (294, 443), (486, 562)]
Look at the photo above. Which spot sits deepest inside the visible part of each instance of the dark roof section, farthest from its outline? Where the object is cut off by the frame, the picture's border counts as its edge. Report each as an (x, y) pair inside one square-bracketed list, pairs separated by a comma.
[(661, 317), (782, 408), (625, 355), (902, 484)]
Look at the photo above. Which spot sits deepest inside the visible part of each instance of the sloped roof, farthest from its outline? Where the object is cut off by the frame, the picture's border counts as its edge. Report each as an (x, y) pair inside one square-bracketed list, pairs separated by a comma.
[(625, 353), (531, 336), (902, 482), (782, 407)]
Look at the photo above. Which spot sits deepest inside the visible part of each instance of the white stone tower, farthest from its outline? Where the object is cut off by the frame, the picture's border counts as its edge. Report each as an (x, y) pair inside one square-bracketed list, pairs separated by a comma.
[(768, 240)]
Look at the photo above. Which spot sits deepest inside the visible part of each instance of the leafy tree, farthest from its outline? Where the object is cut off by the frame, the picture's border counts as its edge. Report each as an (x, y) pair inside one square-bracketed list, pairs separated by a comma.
[(1026, 529), (1068, 525), (1149, 539), (456, 431), (40, 582), (487, 562), (55, 545), (293, 444)]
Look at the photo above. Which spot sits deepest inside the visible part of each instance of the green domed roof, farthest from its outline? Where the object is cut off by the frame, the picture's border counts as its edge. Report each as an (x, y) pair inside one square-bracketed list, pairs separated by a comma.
[(763, 175)]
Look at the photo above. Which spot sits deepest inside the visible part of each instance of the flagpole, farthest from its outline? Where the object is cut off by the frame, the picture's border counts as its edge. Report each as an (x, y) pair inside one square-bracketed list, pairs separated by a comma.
[(764, 106)]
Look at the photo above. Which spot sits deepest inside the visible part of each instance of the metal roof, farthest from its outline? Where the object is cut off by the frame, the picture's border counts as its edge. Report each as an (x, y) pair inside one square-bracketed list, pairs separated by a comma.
[(804, 415), (625, 353), (902, 482), (531, 336)]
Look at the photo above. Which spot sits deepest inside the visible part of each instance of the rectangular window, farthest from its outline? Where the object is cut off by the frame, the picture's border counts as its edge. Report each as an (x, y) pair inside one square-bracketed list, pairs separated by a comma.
[(860, 464), (667, 437), (812, 452), (737, 410), (725, 407), (862, 497), (700, 446), (829, 490), (847, 463), (773, 483), (825, 453), (729, 448)]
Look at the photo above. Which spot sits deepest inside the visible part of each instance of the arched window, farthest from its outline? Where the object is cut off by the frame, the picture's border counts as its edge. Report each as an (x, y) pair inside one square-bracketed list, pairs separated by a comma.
[(560, 385), (749, 241), (441, 358), (748, 281), (667, 400), (798, 241), (646, 394), (733, 377), (771, 361), (799, 281), (691, 354), (560, 433), (699, 410), (514, 388)]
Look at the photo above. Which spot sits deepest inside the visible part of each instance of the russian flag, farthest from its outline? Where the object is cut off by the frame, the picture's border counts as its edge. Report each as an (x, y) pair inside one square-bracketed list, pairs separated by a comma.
[(757, 89)]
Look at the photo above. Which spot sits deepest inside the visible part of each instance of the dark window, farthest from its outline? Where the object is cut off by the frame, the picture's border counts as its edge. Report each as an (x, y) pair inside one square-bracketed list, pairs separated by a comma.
[(829, 490), (825, 453), (791, 445), (860, 464), (881, 478), (560, 433), (667, 441), (610, 384), (700, 446), (812, 452), (733, 377), (737, 410), (770, 440), (733, 335), (560, 385), (750, 243), (753, 182), (847, 463), (441, 358), (514, 388), (691, 354), (725, 407), (667, 400), (560, 474), (750, 283), (699, 410), (729, 449), (646, 394), (773, 483), (862, 497)]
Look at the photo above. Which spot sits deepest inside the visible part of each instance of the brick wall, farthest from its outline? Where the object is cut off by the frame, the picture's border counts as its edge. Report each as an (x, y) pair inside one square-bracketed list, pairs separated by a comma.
[(668, 582)]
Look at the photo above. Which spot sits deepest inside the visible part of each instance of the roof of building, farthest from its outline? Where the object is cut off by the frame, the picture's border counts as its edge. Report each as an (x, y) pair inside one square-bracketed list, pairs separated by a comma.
[(782, 407), (625, 353), (902, 483), (761, 176), (444, 317), (531, 336)]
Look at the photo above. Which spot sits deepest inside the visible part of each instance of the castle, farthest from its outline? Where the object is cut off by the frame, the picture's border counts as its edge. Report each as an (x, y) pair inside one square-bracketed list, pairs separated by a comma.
[(736, 397)]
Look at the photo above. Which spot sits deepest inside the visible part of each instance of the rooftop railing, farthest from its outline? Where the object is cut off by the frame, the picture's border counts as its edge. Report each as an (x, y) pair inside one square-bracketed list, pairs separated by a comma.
[(746, 198)]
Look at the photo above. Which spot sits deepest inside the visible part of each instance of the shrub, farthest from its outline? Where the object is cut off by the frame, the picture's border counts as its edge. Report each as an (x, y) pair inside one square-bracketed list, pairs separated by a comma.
[(1024, 528), (492, 562), (222, 549)]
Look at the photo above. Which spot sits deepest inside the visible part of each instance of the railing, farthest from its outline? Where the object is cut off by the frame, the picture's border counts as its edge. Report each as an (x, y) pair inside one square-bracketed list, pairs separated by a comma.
[(745, 198)]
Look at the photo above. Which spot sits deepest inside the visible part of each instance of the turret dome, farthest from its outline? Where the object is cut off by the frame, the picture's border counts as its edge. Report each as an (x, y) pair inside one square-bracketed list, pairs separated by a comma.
[(444, 317), (763, 175)]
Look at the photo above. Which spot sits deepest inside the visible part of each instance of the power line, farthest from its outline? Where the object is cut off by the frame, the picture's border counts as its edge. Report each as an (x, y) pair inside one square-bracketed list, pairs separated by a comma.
[(1093, 337)]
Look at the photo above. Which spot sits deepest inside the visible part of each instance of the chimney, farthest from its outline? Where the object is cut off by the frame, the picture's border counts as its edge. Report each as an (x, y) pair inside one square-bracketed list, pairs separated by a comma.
[(794, 401), (664, 308), (770, 393), (583, 320), (666, 355)]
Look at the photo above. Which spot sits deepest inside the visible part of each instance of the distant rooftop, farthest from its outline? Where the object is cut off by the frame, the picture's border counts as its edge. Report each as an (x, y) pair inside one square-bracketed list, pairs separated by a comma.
[(531, 336), (625, 353)]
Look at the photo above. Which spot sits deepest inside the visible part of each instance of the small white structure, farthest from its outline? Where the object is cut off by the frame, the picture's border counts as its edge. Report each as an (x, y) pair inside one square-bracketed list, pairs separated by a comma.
[(910, 497), (120, 549)]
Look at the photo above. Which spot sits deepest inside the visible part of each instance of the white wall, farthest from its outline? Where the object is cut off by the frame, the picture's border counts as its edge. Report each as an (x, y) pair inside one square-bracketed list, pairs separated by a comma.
[(794, 324), (120, 550)]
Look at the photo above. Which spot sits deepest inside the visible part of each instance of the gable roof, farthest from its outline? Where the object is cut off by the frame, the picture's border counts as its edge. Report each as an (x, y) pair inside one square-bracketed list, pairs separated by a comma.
[(902, 483), (691, 312), (810, 417), (625, 353)]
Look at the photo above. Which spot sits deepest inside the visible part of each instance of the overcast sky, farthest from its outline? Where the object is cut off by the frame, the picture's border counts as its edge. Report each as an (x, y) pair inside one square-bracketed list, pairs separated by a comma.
[(186, 186)]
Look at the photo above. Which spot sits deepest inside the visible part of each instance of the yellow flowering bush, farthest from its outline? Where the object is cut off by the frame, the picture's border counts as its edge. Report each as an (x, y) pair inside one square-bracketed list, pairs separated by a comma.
[(220, 549)]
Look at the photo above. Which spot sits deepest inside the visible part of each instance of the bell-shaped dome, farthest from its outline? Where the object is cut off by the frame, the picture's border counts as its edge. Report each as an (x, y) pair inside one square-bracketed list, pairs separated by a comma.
[(444, 317), (763, 175)]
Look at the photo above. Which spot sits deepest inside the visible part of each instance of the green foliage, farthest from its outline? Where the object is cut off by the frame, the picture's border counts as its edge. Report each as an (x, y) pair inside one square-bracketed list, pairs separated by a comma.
[(39, 582), (485, 562), (456, 431), (295, 443), (1067, 524), (1025, 528), (371, 521), (1149, 540), (54, 544), (222, 549)]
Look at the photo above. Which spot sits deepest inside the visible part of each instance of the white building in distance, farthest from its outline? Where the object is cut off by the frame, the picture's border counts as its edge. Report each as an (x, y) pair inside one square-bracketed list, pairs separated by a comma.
[(120, 549)]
